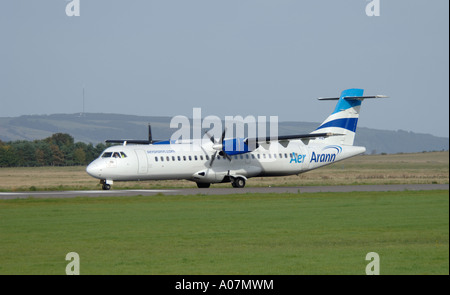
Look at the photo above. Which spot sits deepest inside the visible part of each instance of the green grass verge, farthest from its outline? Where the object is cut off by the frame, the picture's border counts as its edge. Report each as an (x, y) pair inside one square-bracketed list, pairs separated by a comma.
[(320, 233)]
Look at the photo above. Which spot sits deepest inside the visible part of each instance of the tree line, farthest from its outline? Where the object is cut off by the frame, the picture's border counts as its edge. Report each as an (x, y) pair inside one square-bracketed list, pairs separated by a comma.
[(60, 149)]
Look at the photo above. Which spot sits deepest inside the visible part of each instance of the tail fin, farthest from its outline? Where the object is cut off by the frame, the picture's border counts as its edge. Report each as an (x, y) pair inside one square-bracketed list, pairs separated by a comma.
[(344, 119)]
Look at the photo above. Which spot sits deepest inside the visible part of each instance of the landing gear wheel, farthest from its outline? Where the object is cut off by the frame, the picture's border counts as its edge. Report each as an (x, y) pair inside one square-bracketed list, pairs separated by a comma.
[(106, 187), (203, 185), (238, 182)]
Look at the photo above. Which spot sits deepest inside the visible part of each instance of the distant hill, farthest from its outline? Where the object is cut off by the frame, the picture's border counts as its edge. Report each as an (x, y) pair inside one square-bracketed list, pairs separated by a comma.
[(95, 128)]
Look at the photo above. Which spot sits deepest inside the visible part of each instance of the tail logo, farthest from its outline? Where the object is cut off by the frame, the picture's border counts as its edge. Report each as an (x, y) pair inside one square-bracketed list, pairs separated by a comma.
[(336, 147), (326, 157)]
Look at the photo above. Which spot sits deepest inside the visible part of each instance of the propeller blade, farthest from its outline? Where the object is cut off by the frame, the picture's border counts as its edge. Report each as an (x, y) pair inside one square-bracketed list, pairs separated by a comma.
[(212, 159), (223, 134), (222, 153), (211, 137)]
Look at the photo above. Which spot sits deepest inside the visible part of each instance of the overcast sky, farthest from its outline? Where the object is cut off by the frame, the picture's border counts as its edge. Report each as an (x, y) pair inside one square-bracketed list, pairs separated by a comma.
[(229, 57)]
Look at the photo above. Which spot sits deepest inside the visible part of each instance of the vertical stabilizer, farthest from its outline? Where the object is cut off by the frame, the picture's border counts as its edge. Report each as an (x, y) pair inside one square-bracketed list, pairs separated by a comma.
[(344, 119)]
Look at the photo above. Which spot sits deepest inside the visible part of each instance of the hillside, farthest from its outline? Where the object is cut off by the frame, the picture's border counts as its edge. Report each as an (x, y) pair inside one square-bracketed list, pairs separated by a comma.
[(95, 128)]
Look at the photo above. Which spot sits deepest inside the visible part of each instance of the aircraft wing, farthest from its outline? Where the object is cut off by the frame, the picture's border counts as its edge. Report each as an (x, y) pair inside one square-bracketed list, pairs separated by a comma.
[(125, 141), (289, 137), (136, 141)]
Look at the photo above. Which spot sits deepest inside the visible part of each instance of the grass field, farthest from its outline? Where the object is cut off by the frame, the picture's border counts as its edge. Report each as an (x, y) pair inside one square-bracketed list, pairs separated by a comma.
[(416, 168), (320, 233)]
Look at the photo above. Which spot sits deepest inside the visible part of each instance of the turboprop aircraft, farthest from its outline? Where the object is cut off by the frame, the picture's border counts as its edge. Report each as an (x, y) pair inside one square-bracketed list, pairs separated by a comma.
[(236, 159)]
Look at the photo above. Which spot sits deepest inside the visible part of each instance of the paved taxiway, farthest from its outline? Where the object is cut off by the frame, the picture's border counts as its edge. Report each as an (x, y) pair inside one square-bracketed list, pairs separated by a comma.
[(222, 191)]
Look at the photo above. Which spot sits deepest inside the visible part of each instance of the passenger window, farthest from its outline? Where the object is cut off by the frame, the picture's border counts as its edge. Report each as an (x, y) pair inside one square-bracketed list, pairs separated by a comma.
[(207, 157), (285, 155), (156, 159), (173, 158), (270, 156), (195, 158), (179, 158), (259, 156), (246, 156), (201, 157), (162, 159), (190, 158), (264, 156), (167, 158), (184, 158), (253, 156)]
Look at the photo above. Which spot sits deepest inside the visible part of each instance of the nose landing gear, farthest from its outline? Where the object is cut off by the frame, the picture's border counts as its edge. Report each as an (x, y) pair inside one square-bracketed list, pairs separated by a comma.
[(106, 184)]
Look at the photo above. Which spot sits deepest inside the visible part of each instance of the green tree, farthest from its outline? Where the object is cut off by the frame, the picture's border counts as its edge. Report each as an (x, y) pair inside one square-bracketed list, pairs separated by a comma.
[(79, 156), (56, 150), (25, 152), (8, 156), (40, 157), (57, 156), (61, 140), (46, 150)]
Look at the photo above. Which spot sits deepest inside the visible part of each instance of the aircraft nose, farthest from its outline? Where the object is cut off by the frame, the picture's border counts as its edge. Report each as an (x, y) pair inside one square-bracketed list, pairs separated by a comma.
[(93, 169)]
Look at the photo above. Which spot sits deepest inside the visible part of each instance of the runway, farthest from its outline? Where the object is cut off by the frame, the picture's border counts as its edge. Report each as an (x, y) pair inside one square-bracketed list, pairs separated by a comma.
[(222, 191)]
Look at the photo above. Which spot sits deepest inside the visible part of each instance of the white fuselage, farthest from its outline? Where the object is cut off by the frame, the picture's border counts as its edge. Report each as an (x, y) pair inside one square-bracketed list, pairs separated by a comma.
[(193, 162)]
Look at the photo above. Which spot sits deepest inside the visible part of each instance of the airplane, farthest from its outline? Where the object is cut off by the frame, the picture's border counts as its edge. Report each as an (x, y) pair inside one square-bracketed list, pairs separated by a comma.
[(235, 160)]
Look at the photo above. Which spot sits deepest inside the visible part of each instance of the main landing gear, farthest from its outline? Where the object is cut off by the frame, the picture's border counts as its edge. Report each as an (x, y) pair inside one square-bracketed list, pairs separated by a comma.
[(237, 182), (203, 185)]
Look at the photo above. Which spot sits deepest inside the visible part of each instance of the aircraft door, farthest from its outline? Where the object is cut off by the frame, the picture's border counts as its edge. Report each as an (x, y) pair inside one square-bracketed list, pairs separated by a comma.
[(142, 161)]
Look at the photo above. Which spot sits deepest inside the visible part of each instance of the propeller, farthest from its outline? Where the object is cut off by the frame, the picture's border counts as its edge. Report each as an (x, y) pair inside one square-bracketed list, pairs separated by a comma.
[(218, 146)]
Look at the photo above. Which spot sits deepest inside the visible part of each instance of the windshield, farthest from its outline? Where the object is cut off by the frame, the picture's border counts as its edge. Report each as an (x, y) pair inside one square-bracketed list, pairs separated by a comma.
[(114, 154)]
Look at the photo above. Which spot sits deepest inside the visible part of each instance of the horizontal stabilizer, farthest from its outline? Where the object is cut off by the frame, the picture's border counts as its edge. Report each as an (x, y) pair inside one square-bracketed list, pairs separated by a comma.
[(353, 97)]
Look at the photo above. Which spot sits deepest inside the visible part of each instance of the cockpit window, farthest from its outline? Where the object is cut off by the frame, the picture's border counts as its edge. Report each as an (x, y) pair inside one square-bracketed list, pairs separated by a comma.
[(114, 155)]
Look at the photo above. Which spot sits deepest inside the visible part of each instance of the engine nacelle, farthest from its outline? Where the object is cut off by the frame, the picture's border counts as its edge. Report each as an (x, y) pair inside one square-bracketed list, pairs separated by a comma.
[(208, 176), (237, 146)]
